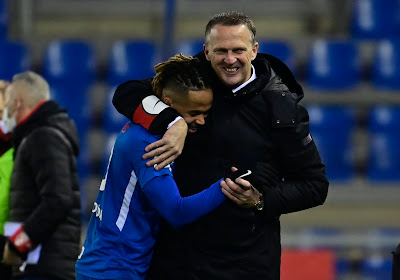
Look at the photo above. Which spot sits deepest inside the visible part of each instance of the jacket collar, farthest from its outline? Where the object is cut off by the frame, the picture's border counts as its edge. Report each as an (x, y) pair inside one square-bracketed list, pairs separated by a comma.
[(38, 117), (263, 65), (263, 74)]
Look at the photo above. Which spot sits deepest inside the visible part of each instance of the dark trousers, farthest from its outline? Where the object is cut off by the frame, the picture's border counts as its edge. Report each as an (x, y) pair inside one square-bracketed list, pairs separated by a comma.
[(5, 271), (396, 264)]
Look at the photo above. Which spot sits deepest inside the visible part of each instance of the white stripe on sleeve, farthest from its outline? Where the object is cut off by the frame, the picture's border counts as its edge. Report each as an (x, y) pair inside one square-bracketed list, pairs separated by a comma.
[(124, 211)]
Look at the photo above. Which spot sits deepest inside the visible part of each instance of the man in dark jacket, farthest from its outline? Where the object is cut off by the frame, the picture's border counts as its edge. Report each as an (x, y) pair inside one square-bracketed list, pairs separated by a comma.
[(44, 192), (256, 123)]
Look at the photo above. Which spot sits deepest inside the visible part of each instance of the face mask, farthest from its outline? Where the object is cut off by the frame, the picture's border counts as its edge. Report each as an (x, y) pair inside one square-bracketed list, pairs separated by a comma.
[(8, 124), (4, 136)]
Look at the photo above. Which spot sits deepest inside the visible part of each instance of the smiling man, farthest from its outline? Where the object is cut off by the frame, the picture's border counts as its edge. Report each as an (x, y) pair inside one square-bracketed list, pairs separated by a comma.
[(256, 123), (231, 49)]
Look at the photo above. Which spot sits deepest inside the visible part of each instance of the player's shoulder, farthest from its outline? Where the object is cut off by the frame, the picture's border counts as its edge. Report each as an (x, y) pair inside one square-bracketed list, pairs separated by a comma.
[(136, 136)]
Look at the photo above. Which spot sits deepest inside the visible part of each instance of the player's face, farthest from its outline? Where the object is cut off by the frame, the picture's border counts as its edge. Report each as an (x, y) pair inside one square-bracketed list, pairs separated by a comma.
[(195, 109), (230, 51)]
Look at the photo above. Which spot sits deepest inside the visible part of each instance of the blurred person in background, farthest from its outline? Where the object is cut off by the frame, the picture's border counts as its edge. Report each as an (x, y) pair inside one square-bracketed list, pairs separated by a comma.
[(132, 197), (45, 218), (257, 123), (6, 165)]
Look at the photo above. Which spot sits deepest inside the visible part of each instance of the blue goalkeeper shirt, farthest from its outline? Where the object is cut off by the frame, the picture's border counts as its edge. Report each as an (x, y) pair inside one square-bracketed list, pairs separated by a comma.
[(126, 215)]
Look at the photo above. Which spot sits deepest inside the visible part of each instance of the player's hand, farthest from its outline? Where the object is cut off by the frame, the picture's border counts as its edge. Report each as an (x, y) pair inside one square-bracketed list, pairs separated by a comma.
[(240, 191), (10, 257), (167, 149)]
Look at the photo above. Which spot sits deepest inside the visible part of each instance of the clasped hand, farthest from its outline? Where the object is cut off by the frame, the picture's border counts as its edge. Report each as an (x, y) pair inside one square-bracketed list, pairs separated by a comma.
[(10, 257), (240, 191), (167, 149)]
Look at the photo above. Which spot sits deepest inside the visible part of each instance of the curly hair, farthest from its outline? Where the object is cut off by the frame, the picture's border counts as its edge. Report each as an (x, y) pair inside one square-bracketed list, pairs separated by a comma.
[(180, 73)]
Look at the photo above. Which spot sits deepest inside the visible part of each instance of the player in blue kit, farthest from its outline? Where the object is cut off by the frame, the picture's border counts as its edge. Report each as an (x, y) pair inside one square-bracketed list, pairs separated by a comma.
[(133, 198)]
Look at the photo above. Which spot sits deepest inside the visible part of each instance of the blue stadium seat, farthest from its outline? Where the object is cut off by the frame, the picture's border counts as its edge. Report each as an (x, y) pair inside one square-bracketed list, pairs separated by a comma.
[(382, 239), (3, 19), (333, 65), (129, 60), (84, 162), (320, 237), (113, 121), (376, 268), (190, 47), (342, 268), (14, 58), (386, 65), (384, 150), (332, 128), (69, 60), (107, 152), (70, 68), (77, 102), (280, 49), (375, 19)]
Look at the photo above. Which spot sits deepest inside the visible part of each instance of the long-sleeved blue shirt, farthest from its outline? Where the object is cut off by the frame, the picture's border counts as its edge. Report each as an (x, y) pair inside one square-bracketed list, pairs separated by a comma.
[(131, 202)]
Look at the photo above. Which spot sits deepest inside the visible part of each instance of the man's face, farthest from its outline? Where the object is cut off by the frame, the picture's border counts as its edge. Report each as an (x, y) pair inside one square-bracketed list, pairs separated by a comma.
[(230, 51), (9, 99), (195, 109)]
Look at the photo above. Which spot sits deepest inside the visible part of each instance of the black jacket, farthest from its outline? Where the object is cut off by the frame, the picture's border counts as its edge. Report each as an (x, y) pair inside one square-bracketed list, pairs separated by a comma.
[(44, 193), (263, 124)]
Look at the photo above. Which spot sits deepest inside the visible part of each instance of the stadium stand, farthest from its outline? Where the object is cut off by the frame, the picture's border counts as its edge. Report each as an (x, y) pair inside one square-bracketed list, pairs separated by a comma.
[(303, 34), (376, 267), (280, 49), (386, 65), (132, 59), (375, 19), (384, 152), (333, 65), (70, 68), (14, 58), (3, 20), (190, 47), (332, 128)]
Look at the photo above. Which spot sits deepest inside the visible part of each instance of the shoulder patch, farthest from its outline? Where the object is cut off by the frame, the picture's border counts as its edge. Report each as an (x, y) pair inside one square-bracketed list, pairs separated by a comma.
[(307, 140)]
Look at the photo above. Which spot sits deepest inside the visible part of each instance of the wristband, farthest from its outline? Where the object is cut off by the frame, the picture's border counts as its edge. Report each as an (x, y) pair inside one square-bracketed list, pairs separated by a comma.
[(21, 241), (174, 121)]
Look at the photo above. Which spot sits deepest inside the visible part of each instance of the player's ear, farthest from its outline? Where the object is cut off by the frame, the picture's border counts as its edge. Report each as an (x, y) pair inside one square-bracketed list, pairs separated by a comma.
[(167, 100)]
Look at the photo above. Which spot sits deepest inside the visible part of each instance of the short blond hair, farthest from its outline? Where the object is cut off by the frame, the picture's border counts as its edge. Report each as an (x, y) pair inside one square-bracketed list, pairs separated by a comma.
[(36, 87)]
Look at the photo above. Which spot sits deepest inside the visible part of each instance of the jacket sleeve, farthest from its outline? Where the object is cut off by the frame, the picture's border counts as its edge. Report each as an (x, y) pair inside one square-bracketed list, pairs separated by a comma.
[(50, 162), (303, 181), (130, 99)]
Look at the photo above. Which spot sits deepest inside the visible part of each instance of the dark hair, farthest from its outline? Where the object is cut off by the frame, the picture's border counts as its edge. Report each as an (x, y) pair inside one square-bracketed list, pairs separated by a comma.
[(181, 73), (231, 19)]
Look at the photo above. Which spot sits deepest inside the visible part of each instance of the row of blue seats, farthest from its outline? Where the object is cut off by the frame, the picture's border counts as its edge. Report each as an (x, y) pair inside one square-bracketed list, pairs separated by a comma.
[(70, 68), (331, 64), (369, 19), (332, 128), (375, 19), (375, 245), (3, 19)]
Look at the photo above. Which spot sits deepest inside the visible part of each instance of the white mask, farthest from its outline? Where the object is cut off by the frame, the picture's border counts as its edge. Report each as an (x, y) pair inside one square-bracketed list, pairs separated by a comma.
[(8, 124)]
